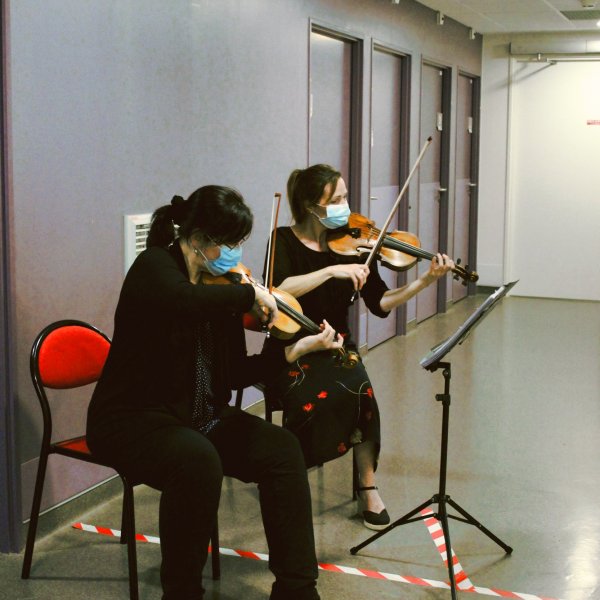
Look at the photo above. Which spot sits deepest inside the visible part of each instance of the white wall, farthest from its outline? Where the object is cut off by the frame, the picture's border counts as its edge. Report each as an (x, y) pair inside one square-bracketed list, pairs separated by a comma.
[(540, 181)]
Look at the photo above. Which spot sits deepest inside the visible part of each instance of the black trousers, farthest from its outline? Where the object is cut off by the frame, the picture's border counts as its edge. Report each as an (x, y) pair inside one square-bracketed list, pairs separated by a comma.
[(188, 468)]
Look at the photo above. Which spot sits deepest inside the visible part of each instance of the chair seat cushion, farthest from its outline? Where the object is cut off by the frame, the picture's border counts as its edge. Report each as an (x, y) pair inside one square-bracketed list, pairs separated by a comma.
[(78, 445), (72, 356)]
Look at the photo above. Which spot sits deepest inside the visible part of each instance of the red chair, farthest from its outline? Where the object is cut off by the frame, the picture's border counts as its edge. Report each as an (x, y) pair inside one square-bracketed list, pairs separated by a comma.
[(65, 355)]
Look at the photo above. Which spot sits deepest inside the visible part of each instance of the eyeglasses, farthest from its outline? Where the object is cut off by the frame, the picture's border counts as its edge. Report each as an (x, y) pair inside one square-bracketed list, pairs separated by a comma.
[(230, 246)]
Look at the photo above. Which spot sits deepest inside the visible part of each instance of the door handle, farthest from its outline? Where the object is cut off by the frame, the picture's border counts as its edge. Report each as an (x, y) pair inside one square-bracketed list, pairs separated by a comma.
[(472, 185), (441, 190), (373, 198)]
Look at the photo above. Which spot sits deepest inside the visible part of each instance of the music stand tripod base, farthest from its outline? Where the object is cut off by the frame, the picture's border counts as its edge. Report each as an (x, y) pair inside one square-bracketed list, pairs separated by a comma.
[(432, 363)]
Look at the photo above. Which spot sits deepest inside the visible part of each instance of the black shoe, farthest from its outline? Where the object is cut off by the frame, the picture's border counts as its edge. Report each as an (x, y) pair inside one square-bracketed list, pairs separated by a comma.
[(372, 520)]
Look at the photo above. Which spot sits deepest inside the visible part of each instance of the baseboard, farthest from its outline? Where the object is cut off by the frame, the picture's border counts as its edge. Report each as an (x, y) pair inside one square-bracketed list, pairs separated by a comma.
[(69, 511)]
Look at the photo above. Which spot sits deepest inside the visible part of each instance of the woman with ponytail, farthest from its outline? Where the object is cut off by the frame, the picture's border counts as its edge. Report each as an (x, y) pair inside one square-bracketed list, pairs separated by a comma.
[(160, 411), (343, 411)]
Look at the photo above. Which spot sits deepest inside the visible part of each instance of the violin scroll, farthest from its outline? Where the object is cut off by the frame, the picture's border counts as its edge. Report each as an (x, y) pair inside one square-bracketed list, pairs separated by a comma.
[(464, 273), (349, 359)]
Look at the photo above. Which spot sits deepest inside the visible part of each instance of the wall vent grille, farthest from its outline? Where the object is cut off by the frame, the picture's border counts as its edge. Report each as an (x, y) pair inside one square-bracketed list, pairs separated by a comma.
[(136, 232)]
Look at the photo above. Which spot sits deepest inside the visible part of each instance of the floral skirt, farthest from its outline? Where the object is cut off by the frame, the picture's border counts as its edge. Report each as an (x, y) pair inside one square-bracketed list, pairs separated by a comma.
[(329, 407)]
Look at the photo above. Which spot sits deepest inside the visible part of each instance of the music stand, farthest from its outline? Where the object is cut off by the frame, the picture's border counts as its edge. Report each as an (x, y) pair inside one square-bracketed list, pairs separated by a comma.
[(432, 362)]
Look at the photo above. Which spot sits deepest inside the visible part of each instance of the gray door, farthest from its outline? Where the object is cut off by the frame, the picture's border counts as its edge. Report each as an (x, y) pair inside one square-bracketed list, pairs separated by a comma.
[(432, 190), (334, 121), (386, 133), (465, 183), (330, 102)]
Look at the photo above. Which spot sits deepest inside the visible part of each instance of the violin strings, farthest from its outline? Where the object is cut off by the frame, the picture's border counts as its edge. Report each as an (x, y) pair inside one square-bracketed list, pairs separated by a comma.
[(297, 316), (419, 252), (409, 247), (301, 319)]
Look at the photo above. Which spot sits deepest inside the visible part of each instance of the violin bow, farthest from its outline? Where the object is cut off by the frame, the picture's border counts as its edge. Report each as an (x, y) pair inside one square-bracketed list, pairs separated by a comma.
[(272, 238), (271, 244), (375, 249)]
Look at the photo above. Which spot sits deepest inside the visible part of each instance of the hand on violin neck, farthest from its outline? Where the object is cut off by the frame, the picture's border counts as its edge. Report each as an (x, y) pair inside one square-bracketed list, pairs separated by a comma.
[(265, 306), (440, 265), (328, 339)]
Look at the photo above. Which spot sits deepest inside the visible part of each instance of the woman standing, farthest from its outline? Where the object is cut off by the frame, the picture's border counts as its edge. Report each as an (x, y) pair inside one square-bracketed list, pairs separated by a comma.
[(159, 412), (330, 408)]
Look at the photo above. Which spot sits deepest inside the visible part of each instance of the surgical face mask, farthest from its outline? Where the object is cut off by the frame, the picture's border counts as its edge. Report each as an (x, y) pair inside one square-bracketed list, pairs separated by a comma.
[(227, 259), (337, 215)]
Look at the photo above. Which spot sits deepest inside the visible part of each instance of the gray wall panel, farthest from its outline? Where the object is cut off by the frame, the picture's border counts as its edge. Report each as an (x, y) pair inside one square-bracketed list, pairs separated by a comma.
[(117, 105)]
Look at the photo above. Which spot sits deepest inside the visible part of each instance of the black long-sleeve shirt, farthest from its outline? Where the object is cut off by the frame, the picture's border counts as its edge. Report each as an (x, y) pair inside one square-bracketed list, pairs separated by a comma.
[(149, 374), (331, 300)]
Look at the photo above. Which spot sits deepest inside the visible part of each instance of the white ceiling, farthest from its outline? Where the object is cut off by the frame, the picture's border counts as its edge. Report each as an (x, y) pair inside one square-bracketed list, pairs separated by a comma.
[(504, 16)]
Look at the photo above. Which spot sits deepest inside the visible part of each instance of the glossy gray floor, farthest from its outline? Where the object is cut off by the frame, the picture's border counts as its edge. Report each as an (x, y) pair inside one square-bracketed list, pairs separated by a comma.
[(524, 451)]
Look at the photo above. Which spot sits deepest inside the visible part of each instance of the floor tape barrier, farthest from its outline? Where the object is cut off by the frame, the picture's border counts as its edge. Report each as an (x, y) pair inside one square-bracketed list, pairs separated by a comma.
[(437, 535), (338, 568)]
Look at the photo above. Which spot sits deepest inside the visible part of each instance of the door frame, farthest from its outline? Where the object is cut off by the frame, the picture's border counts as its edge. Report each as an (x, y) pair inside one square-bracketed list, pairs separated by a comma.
[(403, 168), (356, 102), (354, 178), (444, 165), (10, 490), (474, 196)]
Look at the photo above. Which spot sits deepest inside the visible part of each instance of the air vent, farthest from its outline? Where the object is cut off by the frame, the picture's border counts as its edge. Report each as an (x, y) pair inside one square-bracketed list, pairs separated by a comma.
[(582, 15), (136, 232)]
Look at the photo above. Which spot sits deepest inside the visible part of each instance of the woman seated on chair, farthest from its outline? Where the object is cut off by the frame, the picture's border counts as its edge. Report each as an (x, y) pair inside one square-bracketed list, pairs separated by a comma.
[(331, 408), (159, 412)]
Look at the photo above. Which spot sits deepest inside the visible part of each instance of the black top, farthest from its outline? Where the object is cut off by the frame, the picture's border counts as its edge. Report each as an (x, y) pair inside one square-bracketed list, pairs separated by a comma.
[(148, 378), (331, 300)]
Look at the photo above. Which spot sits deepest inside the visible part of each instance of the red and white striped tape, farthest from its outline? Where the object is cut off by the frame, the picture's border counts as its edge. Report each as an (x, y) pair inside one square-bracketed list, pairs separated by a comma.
[(335, 568), (437, 535)]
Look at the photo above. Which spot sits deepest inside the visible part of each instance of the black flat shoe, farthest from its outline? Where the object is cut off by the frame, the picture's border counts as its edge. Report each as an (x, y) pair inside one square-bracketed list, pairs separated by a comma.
[(376, 521), (373, 520)]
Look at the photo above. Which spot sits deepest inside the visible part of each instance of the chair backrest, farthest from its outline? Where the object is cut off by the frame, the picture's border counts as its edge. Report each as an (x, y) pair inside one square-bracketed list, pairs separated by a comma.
[(68, 354)]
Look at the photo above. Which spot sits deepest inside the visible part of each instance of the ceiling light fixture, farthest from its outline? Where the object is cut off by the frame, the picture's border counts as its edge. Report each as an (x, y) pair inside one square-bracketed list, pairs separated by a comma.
[(440, 18)]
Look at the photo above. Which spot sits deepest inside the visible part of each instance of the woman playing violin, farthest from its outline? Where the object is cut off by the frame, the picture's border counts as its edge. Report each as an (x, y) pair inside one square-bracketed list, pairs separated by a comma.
[(159, 412), (329, 408)]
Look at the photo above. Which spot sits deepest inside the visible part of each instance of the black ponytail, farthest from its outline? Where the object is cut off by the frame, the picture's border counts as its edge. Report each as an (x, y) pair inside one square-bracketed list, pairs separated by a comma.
[(163, 226), (218, 212), (306, 187)]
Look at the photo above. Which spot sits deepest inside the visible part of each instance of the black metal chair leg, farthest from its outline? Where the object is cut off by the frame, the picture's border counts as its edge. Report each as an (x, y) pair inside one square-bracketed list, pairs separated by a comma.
[(127, 507), (215, 558), (35, 512), (355, 482), (129, 517)]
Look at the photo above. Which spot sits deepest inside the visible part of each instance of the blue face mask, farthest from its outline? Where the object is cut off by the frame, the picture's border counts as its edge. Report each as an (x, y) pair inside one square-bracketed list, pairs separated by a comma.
[(337, 216), (228, 259)]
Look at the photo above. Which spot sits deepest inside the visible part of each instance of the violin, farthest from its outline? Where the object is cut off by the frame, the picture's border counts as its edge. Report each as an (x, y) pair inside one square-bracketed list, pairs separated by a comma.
[(399, 250), (290, 318)]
